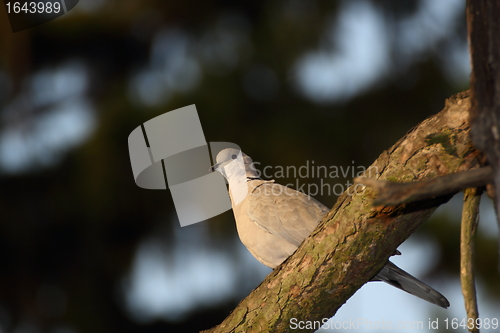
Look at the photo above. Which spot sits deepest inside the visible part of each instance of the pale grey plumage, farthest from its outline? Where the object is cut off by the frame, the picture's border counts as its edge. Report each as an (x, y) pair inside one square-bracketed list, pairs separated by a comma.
[(272, 221), (282, 211)]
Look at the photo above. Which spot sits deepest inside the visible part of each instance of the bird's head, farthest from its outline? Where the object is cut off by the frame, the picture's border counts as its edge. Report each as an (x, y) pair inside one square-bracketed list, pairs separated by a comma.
[(232, 162)]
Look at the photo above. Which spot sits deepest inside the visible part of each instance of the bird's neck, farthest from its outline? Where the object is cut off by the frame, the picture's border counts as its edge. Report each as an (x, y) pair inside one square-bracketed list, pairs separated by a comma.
[(238, 178)]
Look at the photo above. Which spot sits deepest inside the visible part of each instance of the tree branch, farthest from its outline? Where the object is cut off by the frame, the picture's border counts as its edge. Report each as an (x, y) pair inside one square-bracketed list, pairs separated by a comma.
[(470, 218), (355, 240), (393, 193)]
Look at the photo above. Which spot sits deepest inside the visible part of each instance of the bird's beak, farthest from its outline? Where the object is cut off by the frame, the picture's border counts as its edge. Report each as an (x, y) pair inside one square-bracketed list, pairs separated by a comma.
[(215, 167)]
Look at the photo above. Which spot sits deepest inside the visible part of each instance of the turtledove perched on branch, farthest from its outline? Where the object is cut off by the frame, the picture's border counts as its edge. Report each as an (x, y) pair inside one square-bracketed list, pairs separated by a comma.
[(272, 221)]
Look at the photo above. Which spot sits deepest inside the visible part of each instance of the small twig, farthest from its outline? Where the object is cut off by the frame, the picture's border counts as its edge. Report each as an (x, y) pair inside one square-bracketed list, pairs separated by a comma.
[(393, 193), (470, 218)]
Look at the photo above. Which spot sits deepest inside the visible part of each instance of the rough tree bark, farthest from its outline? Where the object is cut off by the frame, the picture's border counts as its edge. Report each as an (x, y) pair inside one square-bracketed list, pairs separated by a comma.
[(355, 240), (483, 22)]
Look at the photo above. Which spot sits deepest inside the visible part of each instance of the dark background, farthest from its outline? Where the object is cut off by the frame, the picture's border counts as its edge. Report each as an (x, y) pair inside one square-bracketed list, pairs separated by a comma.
[(83, 249)]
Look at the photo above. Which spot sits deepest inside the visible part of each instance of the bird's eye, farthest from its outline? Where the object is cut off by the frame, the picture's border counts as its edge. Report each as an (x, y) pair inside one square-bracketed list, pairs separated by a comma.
[(233, 156)]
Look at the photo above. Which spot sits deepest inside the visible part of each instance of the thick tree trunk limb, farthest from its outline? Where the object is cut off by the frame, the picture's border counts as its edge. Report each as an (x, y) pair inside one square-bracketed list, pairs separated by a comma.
[(470, 218), (483, 23), (355, 240)]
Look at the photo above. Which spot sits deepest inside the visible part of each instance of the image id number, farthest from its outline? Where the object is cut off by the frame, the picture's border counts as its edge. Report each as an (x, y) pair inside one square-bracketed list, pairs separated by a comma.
[(470, 323), (33, 7)]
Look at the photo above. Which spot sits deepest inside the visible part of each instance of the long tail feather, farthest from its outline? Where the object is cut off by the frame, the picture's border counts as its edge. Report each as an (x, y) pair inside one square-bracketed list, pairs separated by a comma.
[(398, 278)]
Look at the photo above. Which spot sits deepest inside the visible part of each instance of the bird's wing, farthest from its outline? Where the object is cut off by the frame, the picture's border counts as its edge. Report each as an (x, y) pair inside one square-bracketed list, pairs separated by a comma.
[(284, 212)]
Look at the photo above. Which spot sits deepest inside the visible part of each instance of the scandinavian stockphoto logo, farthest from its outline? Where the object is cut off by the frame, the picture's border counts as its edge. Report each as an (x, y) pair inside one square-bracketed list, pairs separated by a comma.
[(30, 13), (171, 149)]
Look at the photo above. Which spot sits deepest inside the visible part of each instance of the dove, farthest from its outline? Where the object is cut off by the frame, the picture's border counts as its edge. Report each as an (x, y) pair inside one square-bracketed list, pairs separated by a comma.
[(272, 221)]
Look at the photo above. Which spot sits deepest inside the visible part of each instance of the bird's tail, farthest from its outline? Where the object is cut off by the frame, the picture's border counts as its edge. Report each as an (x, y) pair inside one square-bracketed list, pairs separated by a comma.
[(398, 278)]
